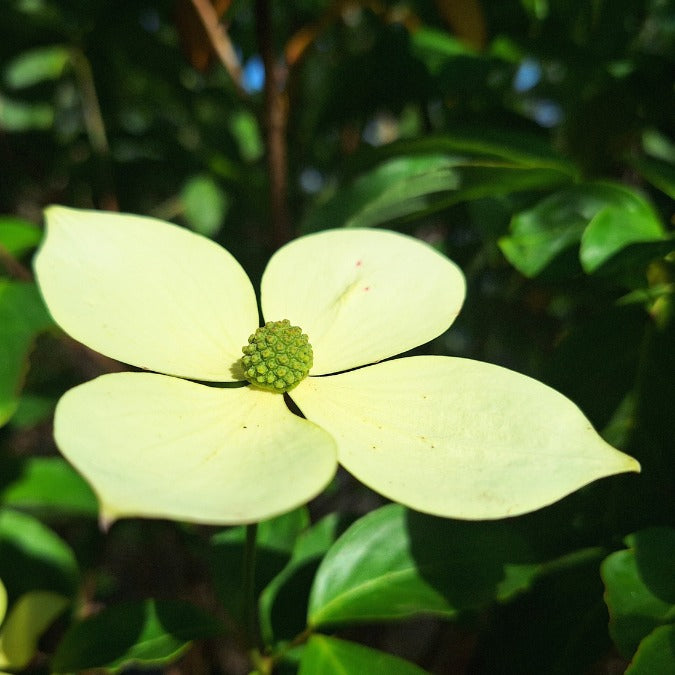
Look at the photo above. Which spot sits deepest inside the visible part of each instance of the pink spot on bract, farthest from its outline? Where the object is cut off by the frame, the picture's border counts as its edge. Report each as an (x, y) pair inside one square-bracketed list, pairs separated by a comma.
[(366, 289), (359, 263)]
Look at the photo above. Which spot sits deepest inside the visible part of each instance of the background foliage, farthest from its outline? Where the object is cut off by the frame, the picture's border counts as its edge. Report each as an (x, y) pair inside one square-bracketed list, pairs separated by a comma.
[(529, 140)]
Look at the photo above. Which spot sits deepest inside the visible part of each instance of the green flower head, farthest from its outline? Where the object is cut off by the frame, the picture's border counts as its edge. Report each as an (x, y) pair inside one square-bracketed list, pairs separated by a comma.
[(447, 436)]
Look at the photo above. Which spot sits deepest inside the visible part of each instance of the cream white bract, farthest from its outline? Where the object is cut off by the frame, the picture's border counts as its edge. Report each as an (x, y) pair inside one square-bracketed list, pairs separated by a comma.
[(447, 436)]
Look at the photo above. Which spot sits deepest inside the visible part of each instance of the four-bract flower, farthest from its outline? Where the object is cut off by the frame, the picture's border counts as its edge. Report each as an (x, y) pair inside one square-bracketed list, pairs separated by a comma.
[(447, 436)]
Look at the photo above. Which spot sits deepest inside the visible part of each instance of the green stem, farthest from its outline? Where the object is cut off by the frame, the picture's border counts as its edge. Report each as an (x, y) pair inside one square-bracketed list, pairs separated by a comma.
[(249, 614)]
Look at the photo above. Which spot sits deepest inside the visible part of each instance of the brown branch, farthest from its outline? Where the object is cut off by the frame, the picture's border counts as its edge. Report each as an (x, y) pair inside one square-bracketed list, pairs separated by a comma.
[(13, 267), (220, 40), (276, 121)]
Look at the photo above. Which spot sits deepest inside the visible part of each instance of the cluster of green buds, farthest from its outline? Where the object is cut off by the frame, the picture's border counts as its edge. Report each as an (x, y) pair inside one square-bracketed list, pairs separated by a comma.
[(277, 357)]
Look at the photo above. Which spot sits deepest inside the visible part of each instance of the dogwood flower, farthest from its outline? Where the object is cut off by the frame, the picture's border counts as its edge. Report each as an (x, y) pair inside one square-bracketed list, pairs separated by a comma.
[(442, 435)]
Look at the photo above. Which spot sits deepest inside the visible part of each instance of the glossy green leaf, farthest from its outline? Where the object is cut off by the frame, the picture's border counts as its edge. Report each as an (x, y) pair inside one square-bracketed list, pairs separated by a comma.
[(414, 186), (639, 587), (484, 143), (50, 486), (283, 602), (36, 65), (17, 235), (22, 317), (205, 205), (394, 563), (558, 222), (148, 633), (330, 656), (617, 226), (28, 618), (656, 653), (30, 551)]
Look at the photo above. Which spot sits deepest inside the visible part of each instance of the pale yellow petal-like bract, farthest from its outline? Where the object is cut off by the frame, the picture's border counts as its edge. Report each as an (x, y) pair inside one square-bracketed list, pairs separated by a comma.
[(158, 446), (146, 292), (361, 295), (458, 438)]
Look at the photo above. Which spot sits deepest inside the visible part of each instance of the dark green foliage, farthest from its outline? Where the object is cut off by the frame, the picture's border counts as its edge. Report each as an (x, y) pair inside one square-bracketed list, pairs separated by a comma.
[(532, 142)]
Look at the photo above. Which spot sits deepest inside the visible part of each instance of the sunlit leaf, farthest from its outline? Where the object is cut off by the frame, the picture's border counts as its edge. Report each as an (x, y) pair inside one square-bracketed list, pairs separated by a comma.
[(27, 619), (148, 633), (330, 656), (395, 563)]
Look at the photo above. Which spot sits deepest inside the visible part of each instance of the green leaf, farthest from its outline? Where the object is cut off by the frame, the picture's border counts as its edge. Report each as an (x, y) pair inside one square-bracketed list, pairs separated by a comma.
[(49, 485), (639, 587), (394, 563), (16, 116), (147, 633), (617, 214), (616, 227), (416, 186), (205, 205), (29, 617), (36, 65), (283, 602), (30, 551), (17, 236), (22, 317), (330, 656), (275, 539), (660, 173), (656, 653)]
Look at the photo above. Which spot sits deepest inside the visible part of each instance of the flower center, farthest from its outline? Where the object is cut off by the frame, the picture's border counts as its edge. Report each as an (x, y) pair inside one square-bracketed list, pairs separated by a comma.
[(277, 357)]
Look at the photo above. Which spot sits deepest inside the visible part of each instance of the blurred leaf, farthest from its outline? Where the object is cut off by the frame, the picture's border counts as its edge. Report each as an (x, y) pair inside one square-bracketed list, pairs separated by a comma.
[(656, 653), (283, 602), (18, 236), (330, 656), (147, 633), (394, 563), (244, 127), (658, 172), (36, 65), (33, 410), (540, 234), (50, 486), (205, 205), (22, 317), (29, 617), (416, 186), (30, 552), (639, 585), (19, 116)]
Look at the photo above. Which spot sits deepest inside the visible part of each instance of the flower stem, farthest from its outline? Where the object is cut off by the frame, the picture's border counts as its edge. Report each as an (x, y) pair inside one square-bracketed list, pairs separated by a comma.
[(249, 614)]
